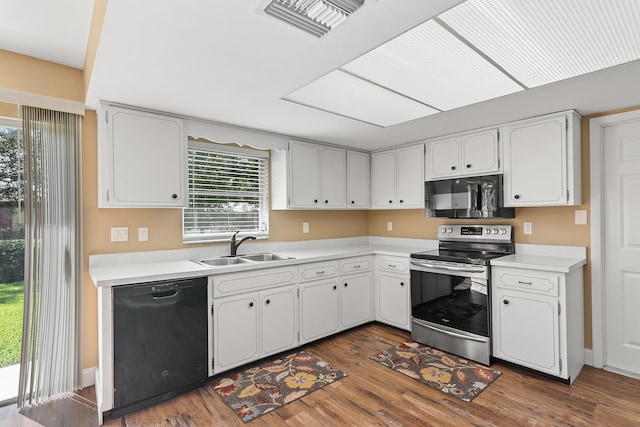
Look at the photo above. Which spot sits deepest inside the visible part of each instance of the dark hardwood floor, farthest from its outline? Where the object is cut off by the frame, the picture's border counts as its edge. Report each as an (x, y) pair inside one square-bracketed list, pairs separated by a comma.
[(373, 395)]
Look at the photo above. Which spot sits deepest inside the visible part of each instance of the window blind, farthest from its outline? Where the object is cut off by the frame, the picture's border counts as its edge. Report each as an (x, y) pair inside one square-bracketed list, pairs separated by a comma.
[(228, 191)]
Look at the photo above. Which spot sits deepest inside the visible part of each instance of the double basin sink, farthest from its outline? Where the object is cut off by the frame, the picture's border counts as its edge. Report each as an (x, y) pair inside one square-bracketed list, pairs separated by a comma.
[(242, 259)]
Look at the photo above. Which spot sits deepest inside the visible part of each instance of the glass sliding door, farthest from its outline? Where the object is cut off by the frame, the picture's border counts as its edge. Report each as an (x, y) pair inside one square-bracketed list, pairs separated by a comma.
[(11, 259)]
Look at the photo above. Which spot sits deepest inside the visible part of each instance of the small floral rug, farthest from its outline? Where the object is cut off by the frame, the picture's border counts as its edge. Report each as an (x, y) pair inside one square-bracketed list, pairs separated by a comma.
[(261, 389), (450, 374)]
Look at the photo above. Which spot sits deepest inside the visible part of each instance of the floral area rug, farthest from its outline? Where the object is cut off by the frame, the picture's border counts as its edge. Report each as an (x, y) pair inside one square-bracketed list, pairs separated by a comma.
[(261, 389), (450, 374)]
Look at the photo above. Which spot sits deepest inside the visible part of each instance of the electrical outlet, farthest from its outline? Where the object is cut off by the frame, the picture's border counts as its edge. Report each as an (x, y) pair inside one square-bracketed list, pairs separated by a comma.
[(119, 234), (528, 228), (389, 226), (143, 234), (305, 227), (581, 217)]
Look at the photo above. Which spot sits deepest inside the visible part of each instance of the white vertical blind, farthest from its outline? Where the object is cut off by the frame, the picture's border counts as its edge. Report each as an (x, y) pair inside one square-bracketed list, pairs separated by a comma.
[(51, 340), (228, 191)]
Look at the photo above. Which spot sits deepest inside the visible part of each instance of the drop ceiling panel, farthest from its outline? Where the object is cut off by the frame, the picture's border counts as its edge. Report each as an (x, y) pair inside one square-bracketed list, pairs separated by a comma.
[(431, 65), (545, 41), (346, 95)]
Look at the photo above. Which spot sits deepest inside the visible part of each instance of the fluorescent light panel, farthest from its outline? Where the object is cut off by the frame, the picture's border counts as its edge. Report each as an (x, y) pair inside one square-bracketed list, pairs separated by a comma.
[(346, 95), (431, 65), (544, 41)]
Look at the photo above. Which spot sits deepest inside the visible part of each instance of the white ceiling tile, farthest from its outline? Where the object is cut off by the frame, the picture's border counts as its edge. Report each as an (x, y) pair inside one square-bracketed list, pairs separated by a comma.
[(343, 94), (431, 65)]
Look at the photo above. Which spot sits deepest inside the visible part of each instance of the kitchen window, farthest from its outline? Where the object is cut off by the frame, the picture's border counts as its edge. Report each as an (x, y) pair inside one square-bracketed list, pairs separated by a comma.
[(228, 191)]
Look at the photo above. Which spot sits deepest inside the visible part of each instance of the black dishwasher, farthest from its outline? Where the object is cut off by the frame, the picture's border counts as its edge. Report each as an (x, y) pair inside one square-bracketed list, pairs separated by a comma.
[(159, 341)]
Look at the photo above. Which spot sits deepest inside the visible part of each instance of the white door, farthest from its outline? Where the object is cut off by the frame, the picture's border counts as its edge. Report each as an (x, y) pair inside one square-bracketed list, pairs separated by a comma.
[(355, 299), (235, 331), (334, 179), (622, 245), (384, 179), (445, 158), (393, 300), (318, 310), (279, 325), (480, 152), (358, 180), (305, 175), (410, 170)]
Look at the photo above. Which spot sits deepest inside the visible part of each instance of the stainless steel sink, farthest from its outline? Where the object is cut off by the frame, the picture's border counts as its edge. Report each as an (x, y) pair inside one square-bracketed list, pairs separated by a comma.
[(265, 257), (219, 262)]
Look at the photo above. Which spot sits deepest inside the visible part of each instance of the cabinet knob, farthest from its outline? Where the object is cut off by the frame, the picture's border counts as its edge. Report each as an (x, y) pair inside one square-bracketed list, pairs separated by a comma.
[(401, 283), (517, 196), (390, 201), (346, 284), (353, 201), (453, 168), (251, 304), (315, 200), (335, 287), (469, 166), (268, 301), (326, 201), (174, 196), (401, 201), (505, 302)]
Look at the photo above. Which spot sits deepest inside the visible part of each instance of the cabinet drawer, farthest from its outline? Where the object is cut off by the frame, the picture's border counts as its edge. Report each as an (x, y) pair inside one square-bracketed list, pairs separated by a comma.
[(355, 265), (527, 281), (317, 270), (395, 264), (235, 283)]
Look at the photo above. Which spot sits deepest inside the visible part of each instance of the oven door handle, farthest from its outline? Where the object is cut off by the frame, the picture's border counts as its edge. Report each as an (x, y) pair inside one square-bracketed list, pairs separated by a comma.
[(449, 267), (453, 334)]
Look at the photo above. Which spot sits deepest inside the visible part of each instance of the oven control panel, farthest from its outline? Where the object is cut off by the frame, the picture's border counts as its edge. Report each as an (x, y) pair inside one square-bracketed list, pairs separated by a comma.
[(475, 232)]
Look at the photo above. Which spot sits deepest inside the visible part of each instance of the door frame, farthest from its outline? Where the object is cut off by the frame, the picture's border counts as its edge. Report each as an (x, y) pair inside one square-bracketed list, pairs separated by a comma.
[(596, 164)]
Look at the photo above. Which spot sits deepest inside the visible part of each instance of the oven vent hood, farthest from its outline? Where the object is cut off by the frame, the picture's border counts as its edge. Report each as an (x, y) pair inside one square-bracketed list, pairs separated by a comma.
[(316, 17), (469, 197)]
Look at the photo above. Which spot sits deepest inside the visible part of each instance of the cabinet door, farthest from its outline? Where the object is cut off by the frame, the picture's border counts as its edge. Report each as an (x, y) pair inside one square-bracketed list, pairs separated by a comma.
[(535, 163), (410, 182), (142, 159), (235, 332), (444, 158), (334, 179), (356, 300), (305, 175), (358, 180), (384, 179), (393, 300), (279, 320), (526, 331), (480, 153), (318, 310)]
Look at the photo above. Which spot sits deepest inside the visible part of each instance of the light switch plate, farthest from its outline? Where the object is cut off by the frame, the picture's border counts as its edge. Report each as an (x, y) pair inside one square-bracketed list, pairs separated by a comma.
[(143, 234), (527, 228), (389, 226), (119, 234), (305, 227), (581, 217)]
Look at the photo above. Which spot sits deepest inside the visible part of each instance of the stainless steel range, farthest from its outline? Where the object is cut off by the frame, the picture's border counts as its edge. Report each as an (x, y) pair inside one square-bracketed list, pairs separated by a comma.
[(450, 301)]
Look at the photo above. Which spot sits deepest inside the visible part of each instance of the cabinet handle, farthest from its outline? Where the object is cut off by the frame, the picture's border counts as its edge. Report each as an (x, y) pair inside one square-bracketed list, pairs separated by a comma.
[(174, 196), (392, 266), (524, 283), (468, 166), (356, 266), (320, 272), (401, 201), (326, 201), (505, 302), (268, 301), (401, 283), (517, 196), (453, 168), (335, 287), (251, 304), (353, 202), (346, 284), (390, 201), (315, 200)]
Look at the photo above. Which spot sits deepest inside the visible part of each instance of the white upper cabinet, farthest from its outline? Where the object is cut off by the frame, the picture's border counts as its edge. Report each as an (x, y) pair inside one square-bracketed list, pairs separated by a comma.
[(358, 180), (468, 154), (308, 176), (542, 161), (398, 178), (142, 159)]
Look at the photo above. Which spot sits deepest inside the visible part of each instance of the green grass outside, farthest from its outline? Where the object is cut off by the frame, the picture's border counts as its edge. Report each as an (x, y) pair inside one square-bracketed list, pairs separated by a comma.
[(11, 307)]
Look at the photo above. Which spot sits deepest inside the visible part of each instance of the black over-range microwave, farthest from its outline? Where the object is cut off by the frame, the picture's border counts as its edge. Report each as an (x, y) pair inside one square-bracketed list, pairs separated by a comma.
[(469, 197)]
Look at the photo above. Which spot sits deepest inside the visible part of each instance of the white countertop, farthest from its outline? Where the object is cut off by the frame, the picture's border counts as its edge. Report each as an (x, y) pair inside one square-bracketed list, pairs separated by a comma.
[(122, 269), (558, 264)]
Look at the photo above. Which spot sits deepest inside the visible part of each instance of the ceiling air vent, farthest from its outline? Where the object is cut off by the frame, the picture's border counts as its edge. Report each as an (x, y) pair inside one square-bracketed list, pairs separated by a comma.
[(316, 17)]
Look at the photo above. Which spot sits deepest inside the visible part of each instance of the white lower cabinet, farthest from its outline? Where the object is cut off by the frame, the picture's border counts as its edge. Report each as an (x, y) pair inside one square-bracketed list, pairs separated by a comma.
[(356, 291), (318, 310), (537, 319), (250, 326), (393, 303)]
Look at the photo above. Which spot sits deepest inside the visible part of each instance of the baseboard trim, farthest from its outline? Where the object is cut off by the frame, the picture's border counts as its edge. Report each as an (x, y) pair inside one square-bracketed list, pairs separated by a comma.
[(588, 357), (88, 377)]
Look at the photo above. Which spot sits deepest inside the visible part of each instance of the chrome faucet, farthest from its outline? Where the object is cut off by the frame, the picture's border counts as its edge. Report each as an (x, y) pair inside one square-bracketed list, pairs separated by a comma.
[(234, 245)]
